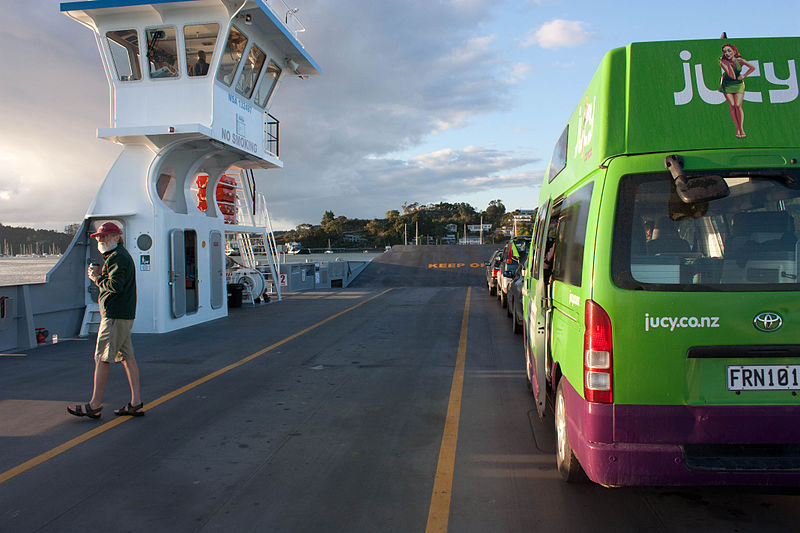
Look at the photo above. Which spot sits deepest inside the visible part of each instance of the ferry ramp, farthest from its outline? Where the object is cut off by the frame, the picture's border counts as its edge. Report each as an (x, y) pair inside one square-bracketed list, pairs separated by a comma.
[(427, 266)]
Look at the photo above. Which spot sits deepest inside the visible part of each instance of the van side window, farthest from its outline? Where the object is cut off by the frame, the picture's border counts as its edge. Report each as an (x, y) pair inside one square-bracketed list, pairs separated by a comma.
[(559, 160), (538, 237), (568, 227)]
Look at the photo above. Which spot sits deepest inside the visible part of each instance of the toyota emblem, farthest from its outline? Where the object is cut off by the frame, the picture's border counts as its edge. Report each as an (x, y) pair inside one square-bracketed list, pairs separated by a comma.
[(768, 322)]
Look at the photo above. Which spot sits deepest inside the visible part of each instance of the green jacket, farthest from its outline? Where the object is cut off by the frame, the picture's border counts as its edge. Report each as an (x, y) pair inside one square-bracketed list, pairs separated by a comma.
[(117, 283)]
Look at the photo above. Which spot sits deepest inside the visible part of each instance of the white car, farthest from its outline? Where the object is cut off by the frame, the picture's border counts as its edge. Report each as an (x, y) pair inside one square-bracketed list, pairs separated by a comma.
[(505, 275)]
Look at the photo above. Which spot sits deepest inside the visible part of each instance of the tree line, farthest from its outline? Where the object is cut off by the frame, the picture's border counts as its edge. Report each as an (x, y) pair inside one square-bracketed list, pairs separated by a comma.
[(25, 241), (433, 221)]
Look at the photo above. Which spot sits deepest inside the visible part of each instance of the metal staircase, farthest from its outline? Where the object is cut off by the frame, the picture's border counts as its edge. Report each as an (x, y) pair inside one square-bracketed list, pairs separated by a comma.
[(251, 209)]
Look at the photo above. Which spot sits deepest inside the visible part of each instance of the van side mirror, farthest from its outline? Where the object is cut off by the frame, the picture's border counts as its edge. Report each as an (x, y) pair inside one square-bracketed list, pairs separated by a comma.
[(695, 189)]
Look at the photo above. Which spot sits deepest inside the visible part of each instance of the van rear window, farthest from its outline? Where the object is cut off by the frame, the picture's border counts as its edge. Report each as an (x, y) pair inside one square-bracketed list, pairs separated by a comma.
[(744, 242)]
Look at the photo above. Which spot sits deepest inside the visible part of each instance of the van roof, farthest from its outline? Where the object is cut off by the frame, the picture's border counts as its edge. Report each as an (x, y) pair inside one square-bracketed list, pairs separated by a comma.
[(665, 96)]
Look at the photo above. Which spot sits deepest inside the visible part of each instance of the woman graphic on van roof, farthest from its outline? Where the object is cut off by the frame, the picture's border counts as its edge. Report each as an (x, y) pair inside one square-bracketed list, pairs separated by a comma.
[(732, 84)]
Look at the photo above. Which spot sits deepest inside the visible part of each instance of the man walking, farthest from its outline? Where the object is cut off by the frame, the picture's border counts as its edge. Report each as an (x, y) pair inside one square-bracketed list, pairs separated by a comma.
[(117, 282)]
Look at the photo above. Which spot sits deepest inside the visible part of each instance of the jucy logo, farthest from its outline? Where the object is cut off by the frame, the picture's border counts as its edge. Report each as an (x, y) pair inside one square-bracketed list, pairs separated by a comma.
[(786, 89), (585, 127), (672, 322)]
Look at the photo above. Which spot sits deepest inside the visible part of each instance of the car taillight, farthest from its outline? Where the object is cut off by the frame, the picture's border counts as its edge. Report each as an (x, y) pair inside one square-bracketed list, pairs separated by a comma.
[(597, 364)]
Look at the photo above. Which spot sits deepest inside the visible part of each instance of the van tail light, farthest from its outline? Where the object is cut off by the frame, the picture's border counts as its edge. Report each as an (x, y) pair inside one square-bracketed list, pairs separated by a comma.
[(597, 364)]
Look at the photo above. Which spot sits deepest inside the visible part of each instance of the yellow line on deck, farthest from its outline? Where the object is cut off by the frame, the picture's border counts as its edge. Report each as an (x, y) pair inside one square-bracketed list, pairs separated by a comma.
[(439, 512), (46, 456)]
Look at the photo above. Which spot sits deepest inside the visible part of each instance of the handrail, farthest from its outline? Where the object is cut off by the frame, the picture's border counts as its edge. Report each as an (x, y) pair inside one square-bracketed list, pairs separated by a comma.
[(288, 16), (272, 135), (272, 247)]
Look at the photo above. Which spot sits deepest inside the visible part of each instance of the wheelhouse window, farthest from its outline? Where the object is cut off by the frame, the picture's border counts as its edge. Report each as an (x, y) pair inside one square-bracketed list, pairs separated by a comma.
[(250, 71), (231, 56), (268, 82), (745, 241), (199, 40), (124, 47), (162, 52)]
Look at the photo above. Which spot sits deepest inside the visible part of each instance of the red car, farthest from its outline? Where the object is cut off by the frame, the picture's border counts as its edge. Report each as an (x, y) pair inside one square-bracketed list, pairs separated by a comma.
[(493, 270)]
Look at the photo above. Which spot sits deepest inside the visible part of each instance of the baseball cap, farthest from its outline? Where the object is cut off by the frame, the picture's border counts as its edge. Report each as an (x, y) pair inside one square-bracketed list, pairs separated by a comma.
[(108, 228)]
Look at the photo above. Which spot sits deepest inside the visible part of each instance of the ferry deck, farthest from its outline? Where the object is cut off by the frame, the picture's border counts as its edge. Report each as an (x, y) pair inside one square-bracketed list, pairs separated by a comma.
[(371, 408)]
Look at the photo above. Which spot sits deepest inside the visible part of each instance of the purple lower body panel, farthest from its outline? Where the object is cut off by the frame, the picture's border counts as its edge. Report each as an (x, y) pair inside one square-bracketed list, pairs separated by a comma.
[(684, 445)]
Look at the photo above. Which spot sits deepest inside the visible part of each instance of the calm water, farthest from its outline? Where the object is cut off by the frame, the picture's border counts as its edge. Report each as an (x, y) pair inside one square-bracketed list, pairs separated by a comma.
[(316, 258), (17, 270)]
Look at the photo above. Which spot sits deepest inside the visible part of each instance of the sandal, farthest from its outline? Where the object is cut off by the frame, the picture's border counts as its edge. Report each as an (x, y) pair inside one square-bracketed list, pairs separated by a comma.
[(130, 410), (85, 410)]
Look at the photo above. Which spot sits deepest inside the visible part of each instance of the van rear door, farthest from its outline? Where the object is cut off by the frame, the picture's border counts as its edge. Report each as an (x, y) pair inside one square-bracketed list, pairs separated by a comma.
[(705, 301)]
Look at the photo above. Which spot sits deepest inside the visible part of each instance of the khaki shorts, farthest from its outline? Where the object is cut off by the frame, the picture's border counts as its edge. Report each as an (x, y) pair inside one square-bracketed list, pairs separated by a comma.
[(114, 341)]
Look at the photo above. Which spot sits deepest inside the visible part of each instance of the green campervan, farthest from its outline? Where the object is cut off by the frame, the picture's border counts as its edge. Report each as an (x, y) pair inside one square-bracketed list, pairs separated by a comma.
[(662, 298)]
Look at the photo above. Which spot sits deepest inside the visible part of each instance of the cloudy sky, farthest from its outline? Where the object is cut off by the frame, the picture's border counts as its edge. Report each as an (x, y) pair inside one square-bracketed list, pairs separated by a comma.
[(418, 101)]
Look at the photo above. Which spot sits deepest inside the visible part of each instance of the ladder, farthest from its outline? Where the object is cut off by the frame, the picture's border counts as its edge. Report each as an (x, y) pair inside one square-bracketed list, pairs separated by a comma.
[(246, 250), (91, 320), (248, 210)]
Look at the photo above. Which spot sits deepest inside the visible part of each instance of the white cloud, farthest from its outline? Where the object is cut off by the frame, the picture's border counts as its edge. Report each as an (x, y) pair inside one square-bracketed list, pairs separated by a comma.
[(558, 33), (474, 49), (519, 72)]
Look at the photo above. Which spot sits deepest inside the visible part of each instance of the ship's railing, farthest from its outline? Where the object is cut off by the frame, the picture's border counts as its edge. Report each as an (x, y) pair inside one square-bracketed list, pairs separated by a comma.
[(250, 209), (272, 129), (287, 15)]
